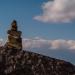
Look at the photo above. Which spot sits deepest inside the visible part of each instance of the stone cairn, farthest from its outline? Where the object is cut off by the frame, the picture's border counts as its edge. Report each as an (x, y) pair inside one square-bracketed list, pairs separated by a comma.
[(14, 37)]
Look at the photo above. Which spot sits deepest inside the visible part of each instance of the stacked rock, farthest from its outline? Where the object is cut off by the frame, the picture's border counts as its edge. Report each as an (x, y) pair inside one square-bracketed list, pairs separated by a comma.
[(14, 37)]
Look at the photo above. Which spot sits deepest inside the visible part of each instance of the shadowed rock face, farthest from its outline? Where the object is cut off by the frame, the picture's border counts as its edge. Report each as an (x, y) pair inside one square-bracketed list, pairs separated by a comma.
[(15, 62)]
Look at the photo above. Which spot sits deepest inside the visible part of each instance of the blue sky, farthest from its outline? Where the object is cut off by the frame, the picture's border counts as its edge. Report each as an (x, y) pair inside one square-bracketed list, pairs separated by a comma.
[(24, 12)]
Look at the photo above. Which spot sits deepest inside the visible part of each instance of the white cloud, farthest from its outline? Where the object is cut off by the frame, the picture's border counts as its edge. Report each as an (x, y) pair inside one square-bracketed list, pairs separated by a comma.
[(57, 11), (35, 43), (1, 42), (48, 44)]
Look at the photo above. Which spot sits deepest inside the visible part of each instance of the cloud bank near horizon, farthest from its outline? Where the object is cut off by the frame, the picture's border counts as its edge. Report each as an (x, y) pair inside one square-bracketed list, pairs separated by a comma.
[(39, 43), (57, 11), (1, 42)]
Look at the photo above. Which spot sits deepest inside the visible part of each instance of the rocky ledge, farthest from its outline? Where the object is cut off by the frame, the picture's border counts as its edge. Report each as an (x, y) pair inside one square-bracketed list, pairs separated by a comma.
[(20, 62)]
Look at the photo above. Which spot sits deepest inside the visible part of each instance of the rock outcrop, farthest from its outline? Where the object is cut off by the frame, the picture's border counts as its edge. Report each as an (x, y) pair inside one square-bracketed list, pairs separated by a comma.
[(15, 62), (14, 37)]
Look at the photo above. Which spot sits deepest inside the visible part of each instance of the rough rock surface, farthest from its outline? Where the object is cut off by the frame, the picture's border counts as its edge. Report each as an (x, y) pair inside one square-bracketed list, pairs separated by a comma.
[(14, 36), (19, 62)]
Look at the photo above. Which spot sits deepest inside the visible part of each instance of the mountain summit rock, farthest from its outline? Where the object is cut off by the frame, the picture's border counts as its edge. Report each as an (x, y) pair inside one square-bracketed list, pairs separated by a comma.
[(14, 37), (15, 61)]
